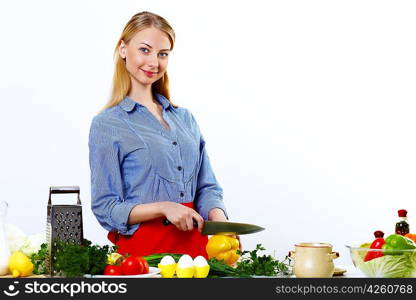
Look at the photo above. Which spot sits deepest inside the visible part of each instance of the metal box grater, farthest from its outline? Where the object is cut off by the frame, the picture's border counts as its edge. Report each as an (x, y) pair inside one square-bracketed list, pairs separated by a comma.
[(64, 222)]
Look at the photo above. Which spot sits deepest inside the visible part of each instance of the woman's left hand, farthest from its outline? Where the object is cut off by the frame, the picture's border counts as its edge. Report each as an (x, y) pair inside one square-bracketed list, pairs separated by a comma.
[(216, 214)]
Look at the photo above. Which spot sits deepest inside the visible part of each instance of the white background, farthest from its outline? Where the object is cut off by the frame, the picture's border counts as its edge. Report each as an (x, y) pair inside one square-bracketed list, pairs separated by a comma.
[(308, 108)]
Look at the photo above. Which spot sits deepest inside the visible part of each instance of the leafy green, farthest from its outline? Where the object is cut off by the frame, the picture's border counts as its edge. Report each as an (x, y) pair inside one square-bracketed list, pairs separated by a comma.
[(98, 257), (264, 265), (39, 260), (221, 269), (250, 264), (73, 260), (389, 266)]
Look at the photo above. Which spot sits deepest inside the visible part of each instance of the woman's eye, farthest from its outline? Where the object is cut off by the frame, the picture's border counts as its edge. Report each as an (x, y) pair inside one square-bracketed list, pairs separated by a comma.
[(164, 54), (145, 50)]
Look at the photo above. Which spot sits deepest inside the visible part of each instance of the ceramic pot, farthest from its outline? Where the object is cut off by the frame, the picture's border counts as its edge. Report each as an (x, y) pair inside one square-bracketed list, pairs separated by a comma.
[(313, 260)]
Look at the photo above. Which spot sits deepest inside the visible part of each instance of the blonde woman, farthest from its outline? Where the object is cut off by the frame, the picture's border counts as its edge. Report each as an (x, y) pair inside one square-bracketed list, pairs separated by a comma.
[(147, 156)]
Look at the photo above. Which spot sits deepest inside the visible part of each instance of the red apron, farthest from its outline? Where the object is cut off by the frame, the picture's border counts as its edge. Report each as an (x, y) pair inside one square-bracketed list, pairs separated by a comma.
[(153, 237)]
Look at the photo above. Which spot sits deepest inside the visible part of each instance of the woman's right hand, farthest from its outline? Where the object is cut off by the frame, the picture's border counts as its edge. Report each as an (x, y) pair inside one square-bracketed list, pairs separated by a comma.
[(181, 216)]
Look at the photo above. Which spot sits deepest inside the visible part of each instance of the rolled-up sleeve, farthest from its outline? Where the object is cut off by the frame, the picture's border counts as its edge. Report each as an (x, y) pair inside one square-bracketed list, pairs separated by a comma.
[(107, 199), (209, 193)]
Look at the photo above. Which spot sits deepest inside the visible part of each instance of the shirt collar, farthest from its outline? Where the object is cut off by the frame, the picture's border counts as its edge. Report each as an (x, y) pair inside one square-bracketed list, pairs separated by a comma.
[(128, 104), (164, 101)]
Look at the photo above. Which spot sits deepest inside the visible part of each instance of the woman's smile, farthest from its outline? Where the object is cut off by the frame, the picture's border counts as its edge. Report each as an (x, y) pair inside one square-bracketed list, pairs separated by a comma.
[(149, 73)]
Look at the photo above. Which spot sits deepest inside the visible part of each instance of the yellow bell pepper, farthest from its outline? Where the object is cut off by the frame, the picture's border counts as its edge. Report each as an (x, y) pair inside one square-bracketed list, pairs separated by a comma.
[(223, 247)]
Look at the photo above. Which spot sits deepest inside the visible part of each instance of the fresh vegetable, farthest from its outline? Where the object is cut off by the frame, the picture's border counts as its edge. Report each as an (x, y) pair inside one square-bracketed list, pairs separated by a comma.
[(391, 266), (264, 265), (223, 247), (15, 237), (73, 260), (167, 266), (221, 269), (97, 257), (145, 265), (19, 241), (364, 253), (113, 270), (20, 265), (132, 265), (39, 260), (185, 267), (114, 258), (126, 265), (201, 267), (377, 244), (251, 264), (411, 236), (396, 242)]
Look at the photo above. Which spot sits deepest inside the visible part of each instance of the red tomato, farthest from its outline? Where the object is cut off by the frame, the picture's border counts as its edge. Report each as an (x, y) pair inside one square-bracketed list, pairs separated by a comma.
[(113, 270), (132, 266), (145, 265)]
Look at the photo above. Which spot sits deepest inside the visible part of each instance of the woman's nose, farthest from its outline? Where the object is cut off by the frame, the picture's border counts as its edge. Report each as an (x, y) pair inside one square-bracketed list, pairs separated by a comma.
[(153, 61)]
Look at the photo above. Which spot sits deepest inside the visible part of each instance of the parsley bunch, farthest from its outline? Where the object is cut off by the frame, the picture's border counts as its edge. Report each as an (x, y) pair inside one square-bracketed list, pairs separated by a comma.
[(251, 264), (73, 260)]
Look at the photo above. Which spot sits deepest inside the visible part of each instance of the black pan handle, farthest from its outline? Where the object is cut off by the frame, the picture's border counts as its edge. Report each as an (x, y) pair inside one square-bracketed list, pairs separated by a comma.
[(166, 222)]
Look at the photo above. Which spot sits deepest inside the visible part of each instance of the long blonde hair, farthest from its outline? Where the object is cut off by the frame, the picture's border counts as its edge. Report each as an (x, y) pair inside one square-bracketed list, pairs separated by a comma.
[(121, 79)]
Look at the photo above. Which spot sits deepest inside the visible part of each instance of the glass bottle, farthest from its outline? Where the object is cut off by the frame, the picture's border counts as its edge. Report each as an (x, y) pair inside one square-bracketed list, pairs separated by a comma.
[(402, 227), (4, 245)]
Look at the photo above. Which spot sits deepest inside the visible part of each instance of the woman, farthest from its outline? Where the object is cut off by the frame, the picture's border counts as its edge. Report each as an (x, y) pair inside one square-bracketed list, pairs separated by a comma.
[(147, 156)]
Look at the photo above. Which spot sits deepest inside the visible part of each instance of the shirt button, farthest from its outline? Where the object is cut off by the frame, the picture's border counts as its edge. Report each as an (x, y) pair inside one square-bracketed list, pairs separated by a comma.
[(179, 168), (174, 143), (182, 194)]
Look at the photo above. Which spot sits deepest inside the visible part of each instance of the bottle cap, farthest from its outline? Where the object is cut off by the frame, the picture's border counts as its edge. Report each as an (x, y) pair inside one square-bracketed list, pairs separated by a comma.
[(402, 213), (378, 234)]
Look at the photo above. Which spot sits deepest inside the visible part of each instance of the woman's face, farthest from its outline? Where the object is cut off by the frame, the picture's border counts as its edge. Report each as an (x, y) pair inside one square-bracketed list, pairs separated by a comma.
[(146, 55)]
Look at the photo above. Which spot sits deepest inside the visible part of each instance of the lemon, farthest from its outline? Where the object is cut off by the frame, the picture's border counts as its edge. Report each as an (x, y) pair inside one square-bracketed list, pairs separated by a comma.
[(20, 265)]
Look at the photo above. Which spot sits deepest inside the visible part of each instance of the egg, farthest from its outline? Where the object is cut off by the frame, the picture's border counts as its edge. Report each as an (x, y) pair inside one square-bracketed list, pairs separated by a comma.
[(185, 261), (185, 267), (167, 260), (201, 267), (200, 261), (167, 266)]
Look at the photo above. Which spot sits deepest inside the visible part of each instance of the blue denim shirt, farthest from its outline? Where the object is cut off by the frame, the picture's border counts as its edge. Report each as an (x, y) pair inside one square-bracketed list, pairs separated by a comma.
[(135, 160)]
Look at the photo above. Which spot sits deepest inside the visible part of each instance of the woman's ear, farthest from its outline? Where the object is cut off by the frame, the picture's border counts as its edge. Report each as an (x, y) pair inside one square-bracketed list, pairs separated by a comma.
[(122, 49)]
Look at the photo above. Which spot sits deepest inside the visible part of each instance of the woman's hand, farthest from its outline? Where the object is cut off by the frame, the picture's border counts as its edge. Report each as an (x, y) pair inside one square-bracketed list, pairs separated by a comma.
[(217, 214), (181, 216)]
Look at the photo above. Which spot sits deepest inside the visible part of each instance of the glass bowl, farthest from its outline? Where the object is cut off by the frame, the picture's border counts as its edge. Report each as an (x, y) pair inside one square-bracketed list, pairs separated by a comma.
[(385, 264)]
